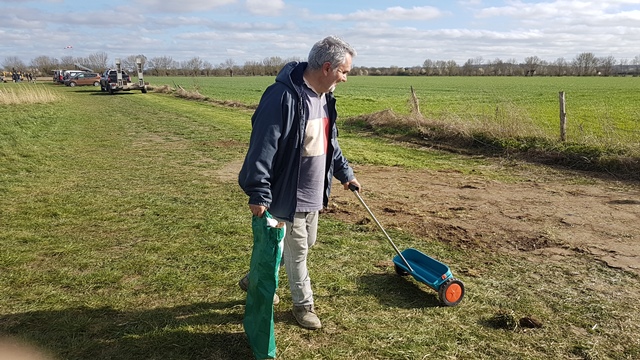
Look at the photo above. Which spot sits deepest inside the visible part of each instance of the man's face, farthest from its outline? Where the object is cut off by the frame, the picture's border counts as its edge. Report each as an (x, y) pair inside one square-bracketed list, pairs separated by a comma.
[(335, 76)]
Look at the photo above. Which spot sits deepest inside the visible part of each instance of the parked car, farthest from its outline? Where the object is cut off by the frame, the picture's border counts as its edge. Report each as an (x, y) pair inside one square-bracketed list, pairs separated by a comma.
[(67, 74), (84, 78), (109, 80)]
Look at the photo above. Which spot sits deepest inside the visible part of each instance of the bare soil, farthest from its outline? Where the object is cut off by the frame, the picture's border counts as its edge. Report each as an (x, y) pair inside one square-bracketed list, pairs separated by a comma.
[(550, 216)]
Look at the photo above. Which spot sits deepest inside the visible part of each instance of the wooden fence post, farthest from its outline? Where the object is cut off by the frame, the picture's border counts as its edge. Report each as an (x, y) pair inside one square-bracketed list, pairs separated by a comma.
[(414, 98), (563, 118)]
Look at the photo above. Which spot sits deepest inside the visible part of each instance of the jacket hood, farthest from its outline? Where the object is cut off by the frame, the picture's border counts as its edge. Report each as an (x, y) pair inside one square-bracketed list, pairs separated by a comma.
[(291, 75)]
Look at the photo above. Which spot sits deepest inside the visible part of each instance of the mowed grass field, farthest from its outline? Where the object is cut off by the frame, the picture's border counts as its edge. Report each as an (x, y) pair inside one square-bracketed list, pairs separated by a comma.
[(123, 234), (601, 111)]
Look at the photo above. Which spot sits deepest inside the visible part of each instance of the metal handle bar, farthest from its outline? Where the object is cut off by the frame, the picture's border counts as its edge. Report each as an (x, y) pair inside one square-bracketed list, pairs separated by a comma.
[(355, 190)]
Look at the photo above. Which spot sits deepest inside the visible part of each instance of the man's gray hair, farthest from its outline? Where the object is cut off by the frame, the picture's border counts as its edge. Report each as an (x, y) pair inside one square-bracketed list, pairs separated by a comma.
[(331, 49)]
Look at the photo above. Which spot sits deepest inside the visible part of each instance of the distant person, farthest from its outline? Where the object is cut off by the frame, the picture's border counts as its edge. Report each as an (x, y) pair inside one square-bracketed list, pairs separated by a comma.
[(292, 157)]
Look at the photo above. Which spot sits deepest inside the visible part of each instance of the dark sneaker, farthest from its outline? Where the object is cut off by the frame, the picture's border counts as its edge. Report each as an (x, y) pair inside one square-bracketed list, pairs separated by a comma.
[(244, 285), (306, 316)]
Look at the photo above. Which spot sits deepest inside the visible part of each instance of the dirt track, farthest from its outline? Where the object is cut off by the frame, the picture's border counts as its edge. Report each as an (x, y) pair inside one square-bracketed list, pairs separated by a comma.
[(549, 216)]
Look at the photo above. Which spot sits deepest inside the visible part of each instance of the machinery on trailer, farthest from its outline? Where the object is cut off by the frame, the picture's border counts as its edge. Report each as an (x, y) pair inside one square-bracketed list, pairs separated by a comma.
[(114, 80)]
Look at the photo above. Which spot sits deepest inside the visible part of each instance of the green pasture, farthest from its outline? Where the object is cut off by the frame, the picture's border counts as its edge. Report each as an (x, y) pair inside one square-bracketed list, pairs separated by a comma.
[(600, 110), (123, 234)]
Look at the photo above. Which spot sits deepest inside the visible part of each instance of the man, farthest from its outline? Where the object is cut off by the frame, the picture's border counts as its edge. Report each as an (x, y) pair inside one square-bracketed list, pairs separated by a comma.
[(293, 155)]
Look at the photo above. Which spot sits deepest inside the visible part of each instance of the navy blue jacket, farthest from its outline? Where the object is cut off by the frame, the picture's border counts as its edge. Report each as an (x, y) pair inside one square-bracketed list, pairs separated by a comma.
[(271, 168)]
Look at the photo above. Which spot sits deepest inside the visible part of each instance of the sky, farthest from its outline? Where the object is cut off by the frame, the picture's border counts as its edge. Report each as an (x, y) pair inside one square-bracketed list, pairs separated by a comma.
[(384, 33)]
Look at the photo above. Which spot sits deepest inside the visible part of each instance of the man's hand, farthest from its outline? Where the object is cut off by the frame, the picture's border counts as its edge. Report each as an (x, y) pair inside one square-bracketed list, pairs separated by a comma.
[(354, 182), (257, 210)]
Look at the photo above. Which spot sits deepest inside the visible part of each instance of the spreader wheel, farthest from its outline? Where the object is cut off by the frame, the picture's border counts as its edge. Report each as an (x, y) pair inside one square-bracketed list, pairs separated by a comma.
[(451, 292), (400, 271)]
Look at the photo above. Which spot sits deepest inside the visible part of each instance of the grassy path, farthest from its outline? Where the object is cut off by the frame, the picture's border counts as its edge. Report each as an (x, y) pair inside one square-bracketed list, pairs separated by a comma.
[(121, 240)]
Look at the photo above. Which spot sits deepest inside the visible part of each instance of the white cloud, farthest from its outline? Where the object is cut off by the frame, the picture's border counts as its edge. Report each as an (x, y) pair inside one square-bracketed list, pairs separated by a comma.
[(383, 35), (395, 13), (470, 3), (265, 7), (182, 5), (555, 9)]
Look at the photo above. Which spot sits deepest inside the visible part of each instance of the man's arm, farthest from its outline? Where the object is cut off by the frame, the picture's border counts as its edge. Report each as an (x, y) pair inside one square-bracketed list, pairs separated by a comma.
[(255, 177)]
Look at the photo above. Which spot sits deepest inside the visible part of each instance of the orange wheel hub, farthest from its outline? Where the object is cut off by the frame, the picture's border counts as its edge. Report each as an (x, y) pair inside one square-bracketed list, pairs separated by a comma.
[(453, 293)]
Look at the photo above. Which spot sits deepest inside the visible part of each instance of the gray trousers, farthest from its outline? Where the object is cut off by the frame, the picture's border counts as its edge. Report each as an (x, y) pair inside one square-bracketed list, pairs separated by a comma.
[(300, 236)]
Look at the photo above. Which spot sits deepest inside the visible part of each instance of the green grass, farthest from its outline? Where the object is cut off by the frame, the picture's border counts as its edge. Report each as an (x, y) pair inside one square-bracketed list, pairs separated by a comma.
[(601, 108), (502, 116), (122, 240), (247, 90)]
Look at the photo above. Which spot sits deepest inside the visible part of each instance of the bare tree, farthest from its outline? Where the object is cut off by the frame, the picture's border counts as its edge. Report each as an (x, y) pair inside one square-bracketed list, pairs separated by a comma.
[(623, 68), (495, 67), (606, 65), (67, 62), (193, 66), (253, 68), (473, 66), (636, 63), (161, 66), (467, 68), (478, 61), (207, 68), (129, 63), (44, 64), (531, 65), (430, 67), (12, 63), (452, 68), (543, 68), (585, 64), (560, 67), (98, 61), (272, 65), (440, 67), (511, 67), (228, 64)]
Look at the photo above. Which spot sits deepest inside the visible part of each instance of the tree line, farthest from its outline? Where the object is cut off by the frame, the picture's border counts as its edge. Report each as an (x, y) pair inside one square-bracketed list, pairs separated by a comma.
[(584, 64)]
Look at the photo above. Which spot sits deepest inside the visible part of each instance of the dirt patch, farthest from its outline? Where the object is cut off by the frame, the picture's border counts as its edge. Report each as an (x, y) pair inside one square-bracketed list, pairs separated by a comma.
[(229, 172), (548, 217)]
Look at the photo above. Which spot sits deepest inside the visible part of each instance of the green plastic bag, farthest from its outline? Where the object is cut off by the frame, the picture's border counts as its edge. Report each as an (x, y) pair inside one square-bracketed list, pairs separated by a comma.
[(263, 281)]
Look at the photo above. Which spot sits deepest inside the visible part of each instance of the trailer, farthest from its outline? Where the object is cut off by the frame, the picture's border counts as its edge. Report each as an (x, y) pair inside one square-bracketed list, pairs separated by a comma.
[(114, 80)]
